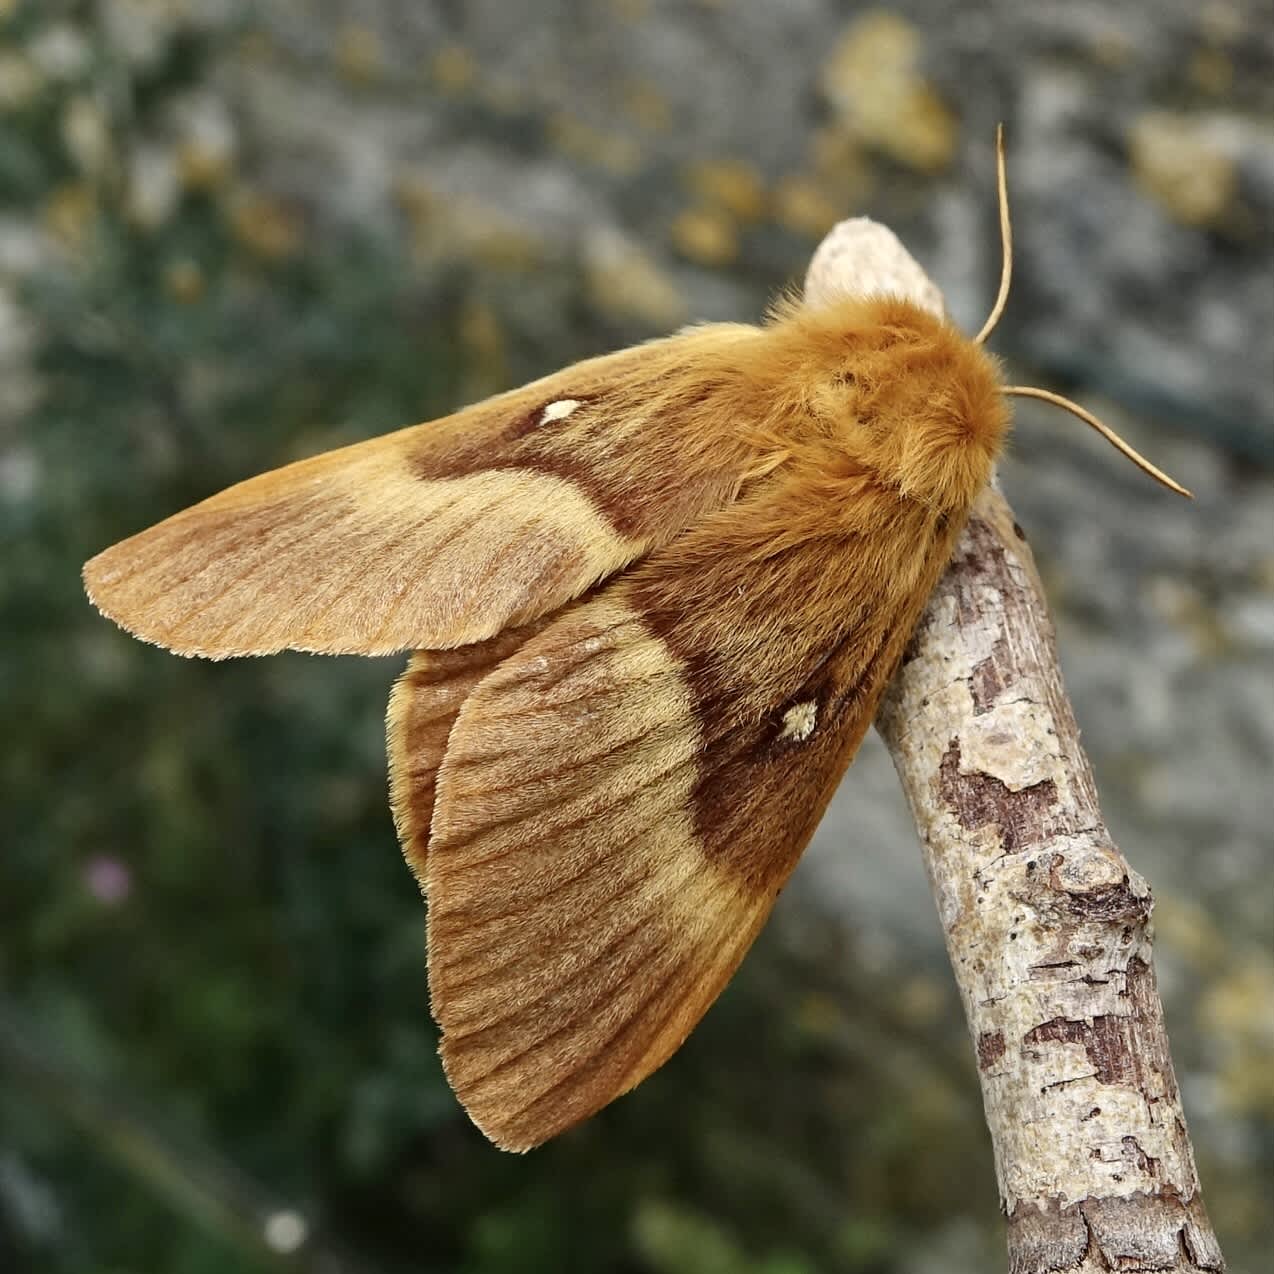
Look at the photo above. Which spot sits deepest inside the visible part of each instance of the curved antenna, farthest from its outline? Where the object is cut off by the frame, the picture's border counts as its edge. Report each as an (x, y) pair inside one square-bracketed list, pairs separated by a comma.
[(1045, 395), (1006, 240)]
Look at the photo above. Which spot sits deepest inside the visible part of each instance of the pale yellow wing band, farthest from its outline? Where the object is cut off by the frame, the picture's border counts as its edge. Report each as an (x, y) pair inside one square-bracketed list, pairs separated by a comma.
[(357, 557)]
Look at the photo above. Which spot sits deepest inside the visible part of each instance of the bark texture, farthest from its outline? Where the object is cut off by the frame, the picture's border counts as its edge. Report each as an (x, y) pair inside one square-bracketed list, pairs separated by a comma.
[(1047, 926)]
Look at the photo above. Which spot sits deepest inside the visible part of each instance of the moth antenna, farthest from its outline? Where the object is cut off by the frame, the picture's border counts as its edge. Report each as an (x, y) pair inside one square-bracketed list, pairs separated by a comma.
[(1006, 240), (1028, 391), (1045, 395)]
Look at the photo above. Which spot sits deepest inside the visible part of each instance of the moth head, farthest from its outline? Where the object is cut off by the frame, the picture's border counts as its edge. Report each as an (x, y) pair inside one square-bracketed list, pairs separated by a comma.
[(913, 403), (918, 406)]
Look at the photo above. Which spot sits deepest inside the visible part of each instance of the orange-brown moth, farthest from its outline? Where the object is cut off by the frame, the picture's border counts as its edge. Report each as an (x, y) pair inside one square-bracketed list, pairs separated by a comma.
[(653, 600)]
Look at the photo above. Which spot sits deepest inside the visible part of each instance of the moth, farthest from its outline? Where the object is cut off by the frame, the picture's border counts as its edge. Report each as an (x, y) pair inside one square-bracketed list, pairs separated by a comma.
[(653, 602)]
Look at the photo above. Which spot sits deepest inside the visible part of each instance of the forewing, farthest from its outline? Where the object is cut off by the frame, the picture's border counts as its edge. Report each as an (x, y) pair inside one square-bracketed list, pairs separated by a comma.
[(620, 802), (445, 533)]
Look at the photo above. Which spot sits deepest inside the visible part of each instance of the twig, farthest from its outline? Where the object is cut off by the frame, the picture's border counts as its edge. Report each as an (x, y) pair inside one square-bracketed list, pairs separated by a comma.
[(1047, 926)]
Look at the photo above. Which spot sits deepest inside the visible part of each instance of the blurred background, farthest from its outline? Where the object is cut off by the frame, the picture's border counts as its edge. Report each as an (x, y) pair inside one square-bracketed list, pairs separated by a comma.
[(232, 235)]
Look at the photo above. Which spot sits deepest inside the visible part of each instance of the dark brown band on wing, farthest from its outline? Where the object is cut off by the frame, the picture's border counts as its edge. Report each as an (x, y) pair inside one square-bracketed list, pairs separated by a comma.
[(628, 462), (785, 657)]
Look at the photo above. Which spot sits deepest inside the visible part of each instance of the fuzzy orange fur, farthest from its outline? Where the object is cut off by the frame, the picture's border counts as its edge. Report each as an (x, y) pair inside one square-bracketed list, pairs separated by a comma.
[(655, 599)]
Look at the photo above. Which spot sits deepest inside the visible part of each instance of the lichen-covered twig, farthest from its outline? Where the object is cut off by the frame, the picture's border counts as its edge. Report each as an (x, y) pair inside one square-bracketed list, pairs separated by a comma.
[(1047, 926)]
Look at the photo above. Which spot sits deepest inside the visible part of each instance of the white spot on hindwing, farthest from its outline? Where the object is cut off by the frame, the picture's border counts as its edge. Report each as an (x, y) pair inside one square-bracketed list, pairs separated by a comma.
[(559, 410), (799, 721)]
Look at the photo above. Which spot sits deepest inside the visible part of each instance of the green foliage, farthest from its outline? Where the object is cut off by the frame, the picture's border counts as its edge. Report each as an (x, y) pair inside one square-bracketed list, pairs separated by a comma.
[(678, 1241)]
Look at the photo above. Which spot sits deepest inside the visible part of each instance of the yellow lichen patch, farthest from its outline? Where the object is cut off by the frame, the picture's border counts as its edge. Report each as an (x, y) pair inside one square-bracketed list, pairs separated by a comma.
[(1222, 20), (706, 235), (1212, 71), (1184, 927), (20, 81), (201, 169), (619, 155), (358, 54), (833, 149), (503, 247), (624, 281), (818, 1015), (873, 80), (453, 69), (266, 227), (1179, 603), (839, 172), (1112, 50), (426, 215), (69, 214), (482, 340), (86, 134), (256, 45), (184, 281), (416, 197), (646, 106), (443, 226), (504, 94), (731, 184), (921, 999), (803, 205), (1240, 1009), (569, 134), (206, 153), (1178, 164)]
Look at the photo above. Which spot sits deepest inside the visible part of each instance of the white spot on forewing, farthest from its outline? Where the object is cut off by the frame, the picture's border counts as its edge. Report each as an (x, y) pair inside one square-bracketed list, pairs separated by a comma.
[(558, 410), (799, 721)]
